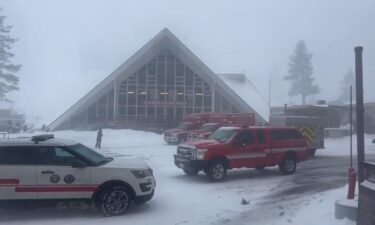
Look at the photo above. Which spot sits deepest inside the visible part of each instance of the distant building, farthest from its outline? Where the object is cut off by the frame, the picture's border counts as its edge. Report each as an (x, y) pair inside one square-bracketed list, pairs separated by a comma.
[(157, 86)]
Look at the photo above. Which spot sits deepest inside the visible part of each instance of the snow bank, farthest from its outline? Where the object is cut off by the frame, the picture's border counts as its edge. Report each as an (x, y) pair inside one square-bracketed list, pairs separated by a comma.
[(341, 146)]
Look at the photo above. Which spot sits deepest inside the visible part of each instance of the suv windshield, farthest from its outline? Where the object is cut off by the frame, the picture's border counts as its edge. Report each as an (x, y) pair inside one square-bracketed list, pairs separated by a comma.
[(222, 135), (89, 154), (209, 126)]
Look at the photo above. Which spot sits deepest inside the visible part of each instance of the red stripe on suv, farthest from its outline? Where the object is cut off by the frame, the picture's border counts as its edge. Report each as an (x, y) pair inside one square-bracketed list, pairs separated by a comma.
[(55, 188)]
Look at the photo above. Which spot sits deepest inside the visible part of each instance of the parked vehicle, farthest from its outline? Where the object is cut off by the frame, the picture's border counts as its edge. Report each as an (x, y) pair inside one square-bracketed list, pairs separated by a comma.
[(312, 128), (203, 132), (237, 147), (193, 123), (220, 120), (43, 168)]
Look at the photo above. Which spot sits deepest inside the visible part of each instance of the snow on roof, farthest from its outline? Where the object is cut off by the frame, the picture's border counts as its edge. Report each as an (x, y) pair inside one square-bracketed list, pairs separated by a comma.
[(243, 87)]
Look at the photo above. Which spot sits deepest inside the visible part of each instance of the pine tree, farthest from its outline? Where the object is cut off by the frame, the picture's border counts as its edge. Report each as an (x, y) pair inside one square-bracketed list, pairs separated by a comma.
[(349, 80), (8, 78), (300, 73)]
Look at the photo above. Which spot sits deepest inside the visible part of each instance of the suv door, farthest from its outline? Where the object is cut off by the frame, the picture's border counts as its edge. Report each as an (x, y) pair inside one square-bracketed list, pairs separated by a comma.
[(17, 172), (56, 178), (244, 150)]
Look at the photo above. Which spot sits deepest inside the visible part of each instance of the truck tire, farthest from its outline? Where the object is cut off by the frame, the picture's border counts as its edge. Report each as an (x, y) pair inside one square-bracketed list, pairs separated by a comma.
[(260, 167), (312, 152), (191, 172), (288, 165), (216, 170), (114, 201)]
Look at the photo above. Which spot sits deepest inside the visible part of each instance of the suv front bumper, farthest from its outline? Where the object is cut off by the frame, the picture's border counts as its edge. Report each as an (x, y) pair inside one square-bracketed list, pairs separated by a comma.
[(144, 198), (183, 163)]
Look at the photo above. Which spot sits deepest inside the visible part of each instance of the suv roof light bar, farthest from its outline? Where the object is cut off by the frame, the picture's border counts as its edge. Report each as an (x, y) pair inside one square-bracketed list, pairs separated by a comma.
[(42, 137)]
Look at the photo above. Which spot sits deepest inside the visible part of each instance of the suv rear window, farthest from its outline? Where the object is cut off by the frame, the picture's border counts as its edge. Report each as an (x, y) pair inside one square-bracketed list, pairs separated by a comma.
[(285, 134)]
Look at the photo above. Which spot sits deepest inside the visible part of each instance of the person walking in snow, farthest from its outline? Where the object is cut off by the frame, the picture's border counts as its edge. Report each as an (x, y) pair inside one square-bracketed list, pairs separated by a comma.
[(99, 136)]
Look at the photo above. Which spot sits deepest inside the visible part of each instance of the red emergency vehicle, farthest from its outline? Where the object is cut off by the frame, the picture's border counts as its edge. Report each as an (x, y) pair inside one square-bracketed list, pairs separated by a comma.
[(238, 147), (194, 122), (220, 120)]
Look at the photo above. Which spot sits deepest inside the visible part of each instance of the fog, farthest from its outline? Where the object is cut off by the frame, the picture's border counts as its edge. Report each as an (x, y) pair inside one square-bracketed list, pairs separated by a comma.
[(67, 47)]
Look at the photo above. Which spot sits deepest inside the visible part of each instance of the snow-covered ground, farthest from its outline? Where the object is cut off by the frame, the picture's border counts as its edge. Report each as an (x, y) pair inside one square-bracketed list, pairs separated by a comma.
[(180, 199)]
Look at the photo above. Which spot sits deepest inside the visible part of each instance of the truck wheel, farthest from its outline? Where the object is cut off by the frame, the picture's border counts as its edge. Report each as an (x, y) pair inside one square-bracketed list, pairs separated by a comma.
[(217, 170), (114, 201), (288, 165), (260, 167), (312, 152), (191, 172)]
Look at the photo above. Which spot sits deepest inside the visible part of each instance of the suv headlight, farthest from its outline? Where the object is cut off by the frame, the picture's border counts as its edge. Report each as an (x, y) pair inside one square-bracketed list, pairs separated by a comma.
[(142, 173), (200, 153)]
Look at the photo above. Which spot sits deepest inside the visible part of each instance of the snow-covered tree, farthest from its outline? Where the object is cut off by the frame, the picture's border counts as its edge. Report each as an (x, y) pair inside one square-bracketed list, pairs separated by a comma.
[(8, 70), (349, 80), (300, 73)]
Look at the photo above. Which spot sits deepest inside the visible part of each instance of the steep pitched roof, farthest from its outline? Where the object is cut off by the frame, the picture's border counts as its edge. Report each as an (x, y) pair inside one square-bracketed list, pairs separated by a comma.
[(162, 41)]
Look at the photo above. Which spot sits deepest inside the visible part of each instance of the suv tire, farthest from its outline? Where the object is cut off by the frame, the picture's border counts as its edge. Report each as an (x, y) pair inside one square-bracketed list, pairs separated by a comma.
[(216, 170), (191, 172), (114, 201), (288, 165)]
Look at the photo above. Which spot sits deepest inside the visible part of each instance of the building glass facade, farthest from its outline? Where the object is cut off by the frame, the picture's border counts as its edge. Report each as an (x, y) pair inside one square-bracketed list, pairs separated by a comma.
[(158, 95)]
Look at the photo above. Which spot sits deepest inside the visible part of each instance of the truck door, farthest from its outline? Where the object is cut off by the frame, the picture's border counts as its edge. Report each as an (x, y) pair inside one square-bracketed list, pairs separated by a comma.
[(244, 151), (264, 147), (17, 171), (56, 178)]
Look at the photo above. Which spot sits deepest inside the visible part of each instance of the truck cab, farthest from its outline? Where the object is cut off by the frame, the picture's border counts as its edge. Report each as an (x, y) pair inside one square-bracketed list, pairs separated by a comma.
[(243, 147)]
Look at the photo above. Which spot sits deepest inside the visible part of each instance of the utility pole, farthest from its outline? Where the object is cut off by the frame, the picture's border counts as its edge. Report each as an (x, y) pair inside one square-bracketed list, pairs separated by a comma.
[(360, 112)]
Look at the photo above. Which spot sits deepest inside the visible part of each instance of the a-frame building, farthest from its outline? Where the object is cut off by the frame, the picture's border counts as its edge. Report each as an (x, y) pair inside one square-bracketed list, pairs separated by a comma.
[(157, 86)]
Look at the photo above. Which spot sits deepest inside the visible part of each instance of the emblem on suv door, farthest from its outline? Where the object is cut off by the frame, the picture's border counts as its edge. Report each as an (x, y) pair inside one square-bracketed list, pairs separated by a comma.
[(54, 178), (69, 179)]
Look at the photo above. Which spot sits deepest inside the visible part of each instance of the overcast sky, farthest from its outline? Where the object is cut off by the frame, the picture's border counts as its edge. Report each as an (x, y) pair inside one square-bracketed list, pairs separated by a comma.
[(67, 47)]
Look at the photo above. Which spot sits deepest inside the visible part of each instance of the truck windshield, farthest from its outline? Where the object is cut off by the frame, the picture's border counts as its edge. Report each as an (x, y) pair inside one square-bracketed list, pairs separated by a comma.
[(222, 135), (184, 126), (209, 126), (89, 154)]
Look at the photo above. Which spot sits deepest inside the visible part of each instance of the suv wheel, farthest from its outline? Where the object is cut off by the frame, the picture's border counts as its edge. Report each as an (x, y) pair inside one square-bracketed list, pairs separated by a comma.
[(191, 172), (217, 170), (288, 165), (114, 201)]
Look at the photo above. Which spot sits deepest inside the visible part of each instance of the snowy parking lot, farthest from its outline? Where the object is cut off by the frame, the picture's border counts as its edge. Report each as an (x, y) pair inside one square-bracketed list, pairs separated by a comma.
[(246, 197)]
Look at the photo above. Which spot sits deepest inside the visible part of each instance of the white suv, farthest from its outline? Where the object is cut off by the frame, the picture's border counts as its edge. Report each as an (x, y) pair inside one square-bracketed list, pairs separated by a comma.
[(45, 168)]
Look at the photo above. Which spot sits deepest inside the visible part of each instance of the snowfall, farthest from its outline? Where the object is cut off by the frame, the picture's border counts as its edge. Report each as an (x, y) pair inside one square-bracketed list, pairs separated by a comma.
[(180, 199)]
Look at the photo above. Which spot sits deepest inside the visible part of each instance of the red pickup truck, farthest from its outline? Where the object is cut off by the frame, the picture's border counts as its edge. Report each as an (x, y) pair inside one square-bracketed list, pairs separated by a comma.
[(238, 147)]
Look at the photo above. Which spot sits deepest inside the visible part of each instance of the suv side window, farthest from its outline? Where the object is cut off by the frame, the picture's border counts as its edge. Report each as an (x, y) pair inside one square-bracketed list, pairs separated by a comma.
[(246, 137), (16, 155), (49, 155), (285, 134)]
